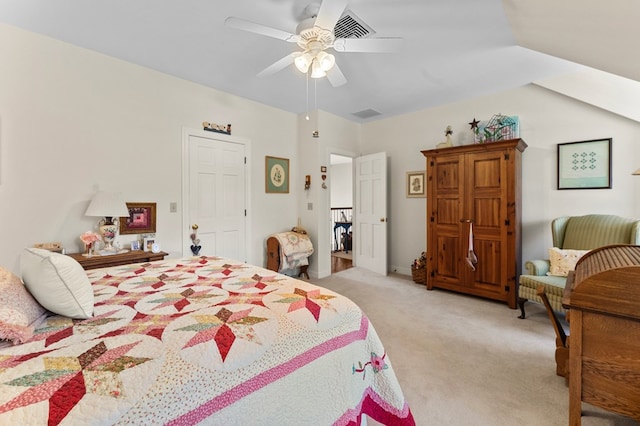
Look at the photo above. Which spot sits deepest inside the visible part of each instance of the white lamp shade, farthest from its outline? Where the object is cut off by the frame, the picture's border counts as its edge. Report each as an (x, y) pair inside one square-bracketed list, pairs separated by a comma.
[(326, 60), (316, 70), (107, 204), (302, 62)]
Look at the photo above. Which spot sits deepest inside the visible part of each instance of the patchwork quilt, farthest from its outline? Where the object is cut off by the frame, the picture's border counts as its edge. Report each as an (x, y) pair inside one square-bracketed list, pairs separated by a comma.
[(203, 340), (295, 249)]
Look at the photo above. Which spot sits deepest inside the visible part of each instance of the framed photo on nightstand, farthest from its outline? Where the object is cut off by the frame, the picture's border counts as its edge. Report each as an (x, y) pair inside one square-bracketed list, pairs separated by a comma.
[(148, 244)]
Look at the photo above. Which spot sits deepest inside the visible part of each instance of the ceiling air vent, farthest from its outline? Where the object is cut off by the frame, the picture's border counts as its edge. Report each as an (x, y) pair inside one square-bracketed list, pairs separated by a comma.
[(351, 26), (367, 113)]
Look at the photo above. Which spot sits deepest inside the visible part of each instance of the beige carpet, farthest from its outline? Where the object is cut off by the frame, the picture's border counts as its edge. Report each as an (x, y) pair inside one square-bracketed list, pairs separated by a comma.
[(463, 360)]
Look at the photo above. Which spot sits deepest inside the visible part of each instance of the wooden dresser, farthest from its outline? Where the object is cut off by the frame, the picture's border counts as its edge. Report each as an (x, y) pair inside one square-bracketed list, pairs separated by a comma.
[(134, 256), (475, 185), (603, 298)]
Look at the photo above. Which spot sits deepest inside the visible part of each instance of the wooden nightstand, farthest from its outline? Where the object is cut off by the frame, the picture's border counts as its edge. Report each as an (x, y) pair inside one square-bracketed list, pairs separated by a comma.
[(133, 256)]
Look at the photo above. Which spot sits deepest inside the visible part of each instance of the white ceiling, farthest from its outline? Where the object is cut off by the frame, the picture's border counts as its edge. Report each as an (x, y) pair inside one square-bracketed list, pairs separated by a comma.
[(452, 49)]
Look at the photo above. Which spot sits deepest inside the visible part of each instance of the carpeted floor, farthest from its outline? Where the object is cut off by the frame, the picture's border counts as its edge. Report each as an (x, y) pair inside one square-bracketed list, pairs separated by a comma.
[(463, 360)]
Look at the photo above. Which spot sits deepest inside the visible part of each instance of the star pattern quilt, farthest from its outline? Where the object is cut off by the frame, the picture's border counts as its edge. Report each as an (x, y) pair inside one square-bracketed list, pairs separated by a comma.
[(203, 340)]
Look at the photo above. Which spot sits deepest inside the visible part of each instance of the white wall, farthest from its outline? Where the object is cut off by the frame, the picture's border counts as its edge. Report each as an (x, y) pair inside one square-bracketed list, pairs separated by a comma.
[(73, 121), (342, 188), (546, 119), (337, 136)]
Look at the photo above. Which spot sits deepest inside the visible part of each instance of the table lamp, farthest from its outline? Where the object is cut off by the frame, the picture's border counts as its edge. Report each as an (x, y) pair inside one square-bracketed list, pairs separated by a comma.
[(110, 206)]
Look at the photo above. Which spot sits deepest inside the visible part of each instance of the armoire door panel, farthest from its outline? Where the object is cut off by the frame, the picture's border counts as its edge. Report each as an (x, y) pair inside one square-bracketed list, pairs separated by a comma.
[(448, 176), (488, 273), (486, 173), (448, 211), (448, 257), (487, 212)]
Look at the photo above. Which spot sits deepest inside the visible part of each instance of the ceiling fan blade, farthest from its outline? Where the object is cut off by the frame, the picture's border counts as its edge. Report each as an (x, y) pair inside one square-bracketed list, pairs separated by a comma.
[(335, 76), (279, 65), (368, 45), (244, 25), (329, 13)]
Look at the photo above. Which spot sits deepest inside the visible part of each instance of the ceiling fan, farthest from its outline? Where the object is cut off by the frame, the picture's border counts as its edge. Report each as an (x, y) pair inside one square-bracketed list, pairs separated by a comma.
[(315, 35)]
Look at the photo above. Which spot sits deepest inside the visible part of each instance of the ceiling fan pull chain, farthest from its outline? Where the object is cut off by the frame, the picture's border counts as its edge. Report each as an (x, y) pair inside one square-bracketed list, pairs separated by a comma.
[(316, 133), (307, 82)]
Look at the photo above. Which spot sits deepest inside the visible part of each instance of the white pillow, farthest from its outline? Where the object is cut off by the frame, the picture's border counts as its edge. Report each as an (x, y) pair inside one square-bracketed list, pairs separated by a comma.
[(58, 282), (562, 261)]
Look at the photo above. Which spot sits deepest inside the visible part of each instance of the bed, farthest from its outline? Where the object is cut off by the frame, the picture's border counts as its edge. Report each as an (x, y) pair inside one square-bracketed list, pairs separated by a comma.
[(201, 340)]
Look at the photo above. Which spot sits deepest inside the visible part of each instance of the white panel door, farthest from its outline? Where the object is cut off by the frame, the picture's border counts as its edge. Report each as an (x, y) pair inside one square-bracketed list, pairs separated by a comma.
[(217, 196), (370, 234)]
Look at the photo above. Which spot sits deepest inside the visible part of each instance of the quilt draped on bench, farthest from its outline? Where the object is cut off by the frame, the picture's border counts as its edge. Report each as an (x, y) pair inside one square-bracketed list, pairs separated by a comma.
[(295, 249)]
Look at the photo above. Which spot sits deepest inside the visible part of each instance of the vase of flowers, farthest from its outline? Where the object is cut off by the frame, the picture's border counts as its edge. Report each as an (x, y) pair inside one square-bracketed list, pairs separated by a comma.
[(89, 239), (195, 241)]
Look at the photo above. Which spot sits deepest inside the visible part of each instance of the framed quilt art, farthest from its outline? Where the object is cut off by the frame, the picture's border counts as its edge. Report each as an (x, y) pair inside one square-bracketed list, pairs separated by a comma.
[(141, 220)]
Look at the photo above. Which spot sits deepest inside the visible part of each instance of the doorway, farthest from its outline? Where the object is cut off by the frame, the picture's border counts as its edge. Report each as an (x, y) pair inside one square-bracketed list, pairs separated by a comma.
[(341, 207)]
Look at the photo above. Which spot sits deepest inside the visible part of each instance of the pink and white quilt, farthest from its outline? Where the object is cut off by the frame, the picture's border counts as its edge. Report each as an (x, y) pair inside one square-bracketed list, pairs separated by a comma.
[(203, 340)]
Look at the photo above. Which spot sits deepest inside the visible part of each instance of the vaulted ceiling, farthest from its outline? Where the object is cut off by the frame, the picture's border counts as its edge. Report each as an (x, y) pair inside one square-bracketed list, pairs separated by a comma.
[(451, 49)]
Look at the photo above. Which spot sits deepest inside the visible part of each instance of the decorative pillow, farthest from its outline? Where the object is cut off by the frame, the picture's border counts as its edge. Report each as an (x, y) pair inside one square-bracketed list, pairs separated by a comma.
[(563, 261), (58, 282), (19, 311)]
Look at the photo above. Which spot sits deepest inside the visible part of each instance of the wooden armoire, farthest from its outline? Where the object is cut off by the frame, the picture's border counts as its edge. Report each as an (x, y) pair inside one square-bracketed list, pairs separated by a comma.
[(475, 189)]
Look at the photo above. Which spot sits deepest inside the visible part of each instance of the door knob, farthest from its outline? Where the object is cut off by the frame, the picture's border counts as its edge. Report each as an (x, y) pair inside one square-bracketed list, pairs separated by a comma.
[(383, 219)]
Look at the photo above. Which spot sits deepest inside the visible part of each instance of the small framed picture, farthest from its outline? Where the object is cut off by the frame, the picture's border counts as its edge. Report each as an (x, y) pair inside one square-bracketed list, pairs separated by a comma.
[(415, 185), (148, 244), (135, 245)]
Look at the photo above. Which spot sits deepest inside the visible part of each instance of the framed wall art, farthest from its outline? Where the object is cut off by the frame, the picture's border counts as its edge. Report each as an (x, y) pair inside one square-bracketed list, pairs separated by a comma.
[(141, 220), (415, 184), (276, 175), (584, 164)]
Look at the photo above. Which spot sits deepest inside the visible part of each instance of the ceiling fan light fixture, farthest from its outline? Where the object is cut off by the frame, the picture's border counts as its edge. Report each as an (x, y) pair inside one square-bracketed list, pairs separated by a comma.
[(326, 60), (316, 69), (303, 62)]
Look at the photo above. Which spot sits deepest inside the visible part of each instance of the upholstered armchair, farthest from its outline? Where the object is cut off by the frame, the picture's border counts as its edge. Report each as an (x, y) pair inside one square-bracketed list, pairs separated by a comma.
[(572, 234)]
